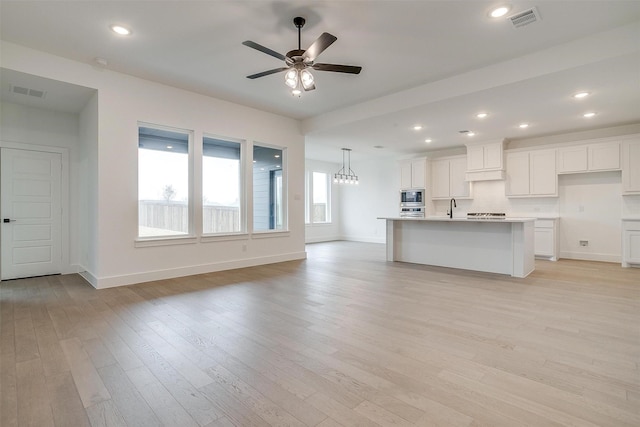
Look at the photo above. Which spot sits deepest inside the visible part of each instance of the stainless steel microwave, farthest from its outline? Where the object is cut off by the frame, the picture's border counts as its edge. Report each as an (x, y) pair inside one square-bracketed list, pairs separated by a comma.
[(414, 197)]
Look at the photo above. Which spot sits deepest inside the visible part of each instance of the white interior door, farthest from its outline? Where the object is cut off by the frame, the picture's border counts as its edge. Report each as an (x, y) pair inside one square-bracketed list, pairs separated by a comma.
[(31, 214)]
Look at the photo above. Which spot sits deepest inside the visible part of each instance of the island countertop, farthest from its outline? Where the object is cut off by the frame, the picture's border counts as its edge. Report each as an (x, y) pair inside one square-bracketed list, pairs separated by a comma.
[(461, 219)]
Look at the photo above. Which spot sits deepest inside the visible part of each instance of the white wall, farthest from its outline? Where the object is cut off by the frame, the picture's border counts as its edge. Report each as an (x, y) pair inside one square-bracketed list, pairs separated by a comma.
[(330, 231), (123, 101), (377, 195), (87, 196), (33, 128)]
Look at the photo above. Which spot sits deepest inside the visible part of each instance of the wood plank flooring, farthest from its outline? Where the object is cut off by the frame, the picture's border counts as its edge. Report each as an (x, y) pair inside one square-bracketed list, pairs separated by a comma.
[(343, 338)]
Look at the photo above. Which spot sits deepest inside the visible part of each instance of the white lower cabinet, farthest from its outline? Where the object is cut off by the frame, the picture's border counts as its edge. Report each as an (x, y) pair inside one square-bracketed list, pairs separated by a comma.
[(630, 242), (546, 238)]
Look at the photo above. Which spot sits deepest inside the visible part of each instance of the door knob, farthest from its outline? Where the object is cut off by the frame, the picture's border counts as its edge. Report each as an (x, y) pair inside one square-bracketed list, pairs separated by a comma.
[(8, 220)]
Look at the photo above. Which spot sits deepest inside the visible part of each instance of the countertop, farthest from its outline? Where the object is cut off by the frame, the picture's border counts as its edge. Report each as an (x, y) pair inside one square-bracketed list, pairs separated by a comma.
[(460, 219)]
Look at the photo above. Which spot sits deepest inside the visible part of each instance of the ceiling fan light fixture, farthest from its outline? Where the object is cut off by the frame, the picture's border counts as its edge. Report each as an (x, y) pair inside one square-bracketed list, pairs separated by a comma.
[(291, 78), (307, 79)]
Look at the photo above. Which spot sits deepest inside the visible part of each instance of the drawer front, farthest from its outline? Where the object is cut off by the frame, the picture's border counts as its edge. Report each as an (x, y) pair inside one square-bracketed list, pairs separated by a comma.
[(544, 223)]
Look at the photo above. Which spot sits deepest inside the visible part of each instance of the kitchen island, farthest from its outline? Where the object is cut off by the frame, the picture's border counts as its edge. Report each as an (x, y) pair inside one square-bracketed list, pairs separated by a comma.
[(504, 246)]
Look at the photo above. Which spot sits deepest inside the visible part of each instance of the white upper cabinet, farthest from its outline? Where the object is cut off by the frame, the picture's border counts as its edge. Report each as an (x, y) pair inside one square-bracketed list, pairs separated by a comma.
[(448, 178), (631, 166), (531, 174), (485, 161), (413, 173), (589, 158)]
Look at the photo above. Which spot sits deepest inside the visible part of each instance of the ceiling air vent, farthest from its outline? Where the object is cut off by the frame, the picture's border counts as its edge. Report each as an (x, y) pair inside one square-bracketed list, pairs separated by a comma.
[(527, 17), (28, 92)]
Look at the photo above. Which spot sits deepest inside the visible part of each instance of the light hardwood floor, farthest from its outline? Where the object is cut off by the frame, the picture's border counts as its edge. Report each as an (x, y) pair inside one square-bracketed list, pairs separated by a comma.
[(343, 338)]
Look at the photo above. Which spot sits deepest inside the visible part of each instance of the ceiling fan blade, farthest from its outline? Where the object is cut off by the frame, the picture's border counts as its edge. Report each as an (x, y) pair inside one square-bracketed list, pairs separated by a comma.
[(263, 49), (266, 73), (351, 69), (324, 41)]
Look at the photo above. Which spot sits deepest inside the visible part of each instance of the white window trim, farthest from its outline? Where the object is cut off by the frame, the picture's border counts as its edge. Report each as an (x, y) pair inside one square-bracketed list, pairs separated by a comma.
[(285, 190), (145, 241), (243, 187), (309, 198)]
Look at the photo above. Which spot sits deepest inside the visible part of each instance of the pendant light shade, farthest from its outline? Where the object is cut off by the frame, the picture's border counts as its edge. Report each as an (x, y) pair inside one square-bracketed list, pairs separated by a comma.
[(345, 175)]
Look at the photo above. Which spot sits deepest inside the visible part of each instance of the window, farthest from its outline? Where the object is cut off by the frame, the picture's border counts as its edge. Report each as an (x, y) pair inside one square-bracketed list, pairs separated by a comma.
[(221, 186), (268, 189), (320, 196), (163, 182)]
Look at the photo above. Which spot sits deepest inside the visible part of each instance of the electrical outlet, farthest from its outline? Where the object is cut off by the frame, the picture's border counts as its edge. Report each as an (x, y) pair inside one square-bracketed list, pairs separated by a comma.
[(584, 243)]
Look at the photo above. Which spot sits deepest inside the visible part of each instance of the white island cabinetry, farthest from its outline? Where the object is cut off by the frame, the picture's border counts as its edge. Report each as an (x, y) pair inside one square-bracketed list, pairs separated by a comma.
[(504, 246)]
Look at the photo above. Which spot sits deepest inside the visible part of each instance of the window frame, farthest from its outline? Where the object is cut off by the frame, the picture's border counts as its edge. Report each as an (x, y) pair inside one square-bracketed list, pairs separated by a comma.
[(190, 237), (309, 181), (243, 197), (285, 192), (310, 207)]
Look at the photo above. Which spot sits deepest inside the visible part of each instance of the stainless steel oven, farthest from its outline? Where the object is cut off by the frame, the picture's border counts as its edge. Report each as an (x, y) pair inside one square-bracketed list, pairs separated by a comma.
[(410, 198)]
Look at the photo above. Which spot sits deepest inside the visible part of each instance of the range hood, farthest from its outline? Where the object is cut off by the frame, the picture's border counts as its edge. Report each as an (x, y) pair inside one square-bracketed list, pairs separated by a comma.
[(485, 161)]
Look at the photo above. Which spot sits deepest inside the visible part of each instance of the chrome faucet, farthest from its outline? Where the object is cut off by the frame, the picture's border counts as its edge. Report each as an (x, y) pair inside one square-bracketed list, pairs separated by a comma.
[(452, 204)]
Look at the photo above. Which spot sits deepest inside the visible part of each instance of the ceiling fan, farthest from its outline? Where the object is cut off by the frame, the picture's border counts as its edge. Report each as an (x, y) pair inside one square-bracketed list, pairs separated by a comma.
[(298, 61)]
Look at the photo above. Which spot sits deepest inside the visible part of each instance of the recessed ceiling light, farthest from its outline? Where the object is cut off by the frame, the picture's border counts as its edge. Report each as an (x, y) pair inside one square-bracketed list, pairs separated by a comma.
[(581, 95), (523, 125), (589, 115), (500, 11), (417, 127), (470, 133), (481, 115), (119, 29), (428, 140)]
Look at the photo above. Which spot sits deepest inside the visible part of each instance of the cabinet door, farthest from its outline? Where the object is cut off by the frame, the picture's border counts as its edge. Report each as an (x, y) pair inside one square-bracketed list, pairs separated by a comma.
[(543, 242), (517, 174), (631, 166), (405, 174), (458, 187), (543, 177), (493, 156), (630, 242), (572, 159), (440, 178), (419, 173), (605, 156), (475, 157)]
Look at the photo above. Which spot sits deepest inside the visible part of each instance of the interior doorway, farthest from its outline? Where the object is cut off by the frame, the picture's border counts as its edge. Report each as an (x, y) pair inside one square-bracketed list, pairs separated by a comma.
[(31, 213)]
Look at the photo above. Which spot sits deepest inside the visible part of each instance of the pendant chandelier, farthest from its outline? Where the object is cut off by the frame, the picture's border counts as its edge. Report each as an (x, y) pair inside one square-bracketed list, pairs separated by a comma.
[(345, 175)]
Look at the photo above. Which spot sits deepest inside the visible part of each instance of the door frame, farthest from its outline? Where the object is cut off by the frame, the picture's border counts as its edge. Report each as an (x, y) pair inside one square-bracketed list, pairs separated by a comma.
[(64, 196)]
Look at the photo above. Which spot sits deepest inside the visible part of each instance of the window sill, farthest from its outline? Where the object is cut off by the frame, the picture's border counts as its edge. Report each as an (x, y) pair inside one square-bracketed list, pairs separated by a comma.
[(270, 233), (319, 224), (164, 241), (223, 237)]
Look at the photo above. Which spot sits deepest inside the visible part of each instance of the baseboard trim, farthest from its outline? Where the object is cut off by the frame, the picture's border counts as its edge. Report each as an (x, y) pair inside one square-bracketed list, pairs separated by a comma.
[(172, 273), (323, 239), (365, 239), (591, 256)]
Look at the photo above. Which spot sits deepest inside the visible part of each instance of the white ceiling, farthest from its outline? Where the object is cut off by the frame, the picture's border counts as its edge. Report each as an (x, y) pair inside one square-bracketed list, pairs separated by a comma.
[(436, 63)]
